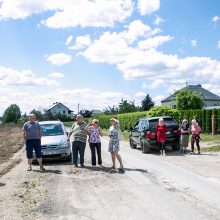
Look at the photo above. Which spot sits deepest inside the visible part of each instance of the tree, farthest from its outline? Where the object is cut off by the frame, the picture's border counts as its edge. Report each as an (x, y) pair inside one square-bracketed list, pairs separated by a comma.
[(38, 114), (147, 103), (12, 114), (186, 100), (111, 110), (126, 107)]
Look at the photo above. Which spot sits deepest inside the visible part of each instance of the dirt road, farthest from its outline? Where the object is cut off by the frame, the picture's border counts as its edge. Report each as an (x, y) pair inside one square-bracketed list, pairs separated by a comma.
[(153, 187)]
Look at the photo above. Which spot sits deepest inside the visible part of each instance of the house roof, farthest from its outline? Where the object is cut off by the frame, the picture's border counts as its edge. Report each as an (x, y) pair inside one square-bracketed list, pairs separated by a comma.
[(207, 95), (55, 104)]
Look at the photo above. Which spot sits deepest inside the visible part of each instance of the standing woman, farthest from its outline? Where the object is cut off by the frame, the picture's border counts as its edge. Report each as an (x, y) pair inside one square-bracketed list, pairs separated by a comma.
[(95, 132), (184, 136), (114, 147), (196, 130), (161, 130)]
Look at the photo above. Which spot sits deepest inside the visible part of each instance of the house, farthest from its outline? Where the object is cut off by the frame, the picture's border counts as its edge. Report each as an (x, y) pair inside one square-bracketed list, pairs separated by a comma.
[(58, 107), (96, 112), (210, 99)]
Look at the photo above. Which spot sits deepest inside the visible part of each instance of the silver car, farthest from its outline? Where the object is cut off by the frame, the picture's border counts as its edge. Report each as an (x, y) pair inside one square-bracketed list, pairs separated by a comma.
[(54, 143)]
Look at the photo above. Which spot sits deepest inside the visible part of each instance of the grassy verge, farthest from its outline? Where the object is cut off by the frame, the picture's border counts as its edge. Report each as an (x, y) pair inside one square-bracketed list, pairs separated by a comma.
[(125, 134), (211, 149), (209, 137)]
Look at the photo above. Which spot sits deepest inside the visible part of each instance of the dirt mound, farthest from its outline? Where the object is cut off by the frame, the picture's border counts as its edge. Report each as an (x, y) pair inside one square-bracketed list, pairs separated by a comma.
[(11, 141)]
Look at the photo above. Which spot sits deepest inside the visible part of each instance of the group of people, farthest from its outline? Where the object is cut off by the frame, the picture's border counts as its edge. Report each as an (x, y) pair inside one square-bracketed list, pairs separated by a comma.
[(80, 130), (195, 129)]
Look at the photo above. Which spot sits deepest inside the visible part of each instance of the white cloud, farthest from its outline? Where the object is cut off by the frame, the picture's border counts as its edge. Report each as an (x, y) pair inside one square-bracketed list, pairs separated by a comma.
[(56, 75), (157, 99), (12, 77), (219, 44), (81, 42), (147, 7), (59, 59), (140, 94), (66, 13), (69, 40), (215, 19), (154, 42), (193, 43), (158, 21)]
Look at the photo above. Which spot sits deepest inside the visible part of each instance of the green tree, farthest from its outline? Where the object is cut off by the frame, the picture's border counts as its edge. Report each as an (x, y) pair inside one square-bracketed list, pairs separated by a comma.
[(12, 114), (38, 114), (186, 100), (111, 110), (147, 103), (126, 107)]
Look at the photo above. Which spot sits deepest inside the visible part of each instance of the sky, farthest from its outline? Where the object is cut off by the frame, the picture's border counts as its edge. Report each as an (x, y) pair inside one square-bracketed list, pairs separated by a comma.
[(97, 52)]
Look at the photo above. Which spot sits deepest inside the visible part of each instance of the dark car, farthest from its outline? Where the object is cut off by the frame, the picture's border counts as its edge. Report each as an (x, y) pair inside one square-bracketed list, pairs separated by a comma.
[(143, 134)]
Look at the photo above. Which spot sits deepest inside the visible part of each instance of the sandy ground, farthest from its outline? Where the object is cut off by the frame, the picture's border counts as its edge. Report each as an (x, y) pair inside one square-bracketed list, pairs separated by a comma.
[(152, 187)]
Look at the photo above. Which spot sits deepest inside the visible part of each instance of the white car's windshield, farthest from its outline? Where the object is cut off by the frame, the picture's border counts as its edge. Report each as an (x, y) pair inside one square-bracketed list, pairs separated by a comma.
[(52, 130)]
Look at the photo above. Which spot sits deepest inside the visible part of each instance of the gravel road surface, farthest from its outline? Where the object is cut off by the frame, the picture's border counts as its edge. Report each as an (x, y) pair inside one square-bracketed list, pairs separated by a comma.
[(152, 187)]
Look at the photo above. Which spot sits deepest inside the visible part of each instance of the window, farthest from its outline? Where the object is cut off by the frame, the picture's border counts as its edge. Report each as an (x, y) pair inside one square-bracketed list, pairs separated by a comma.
[(64, 112)]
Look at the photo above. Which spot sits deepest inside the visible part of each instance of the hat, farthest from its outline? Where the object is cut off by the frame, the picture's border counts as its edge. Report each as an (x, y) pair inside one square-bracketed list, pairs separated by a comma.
[(114, 119), (184, 120), (95, 121)]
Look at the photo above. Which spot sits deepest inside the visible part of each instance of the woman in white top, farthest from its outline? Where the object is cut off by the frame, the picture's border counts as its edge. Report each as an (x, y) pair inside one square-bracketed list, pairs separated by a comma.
[(114, 146)]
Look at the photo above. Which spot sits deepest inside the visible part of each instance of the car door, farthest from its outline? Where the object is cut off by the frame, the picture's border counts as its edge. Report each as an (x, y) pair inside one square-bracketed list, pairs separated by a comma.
[(135, 132)]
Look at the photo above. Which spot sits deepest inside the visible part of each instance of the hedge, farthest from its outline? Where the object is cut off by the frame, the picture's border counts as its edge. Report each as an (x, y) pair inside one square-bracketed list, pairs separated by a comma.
[(203, 117)]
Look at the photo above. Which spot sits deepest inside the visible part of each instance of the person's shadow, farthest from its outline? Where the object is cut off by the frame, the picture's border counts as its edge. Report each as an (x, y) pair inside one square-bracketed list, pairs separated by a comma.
[(112, 171), (2, 184)]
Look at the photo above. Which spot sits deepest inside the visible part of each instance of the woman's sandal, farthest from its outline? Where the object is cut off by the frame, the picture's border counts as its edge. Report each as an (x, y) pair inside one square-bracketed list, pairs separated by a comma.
[(113, 167), (29, 169), (42, 168)]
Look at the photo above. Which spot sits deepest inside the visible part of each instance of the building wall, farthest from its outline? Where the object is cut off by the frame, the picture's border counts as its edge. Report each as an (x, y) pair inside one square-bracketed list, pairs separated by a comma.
[(59, 108)]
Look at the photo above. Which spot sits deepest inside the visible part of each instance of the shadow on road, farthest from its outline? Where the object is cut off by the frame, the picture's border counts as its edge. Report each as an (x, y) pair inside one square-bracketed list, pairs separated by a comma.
[(2, 184), (48, 171)]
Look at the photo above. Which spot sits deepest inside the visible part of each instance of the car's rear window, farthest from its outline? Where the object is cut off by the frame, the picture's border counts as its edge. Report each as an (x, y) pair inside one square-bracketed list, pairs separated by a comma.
[(52, 130), (168, 121)]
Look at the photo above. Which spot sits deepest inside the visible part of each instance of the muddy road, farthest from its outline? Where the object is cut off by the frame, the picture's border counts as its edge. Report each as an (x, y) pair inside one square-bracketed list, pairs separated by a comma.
[(152, 187)]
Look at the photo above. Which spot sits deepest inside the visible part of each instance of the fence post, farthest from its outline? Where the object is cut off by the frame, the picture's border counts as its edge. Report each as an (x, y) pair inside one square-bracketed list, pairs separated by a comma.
[(213, 123)]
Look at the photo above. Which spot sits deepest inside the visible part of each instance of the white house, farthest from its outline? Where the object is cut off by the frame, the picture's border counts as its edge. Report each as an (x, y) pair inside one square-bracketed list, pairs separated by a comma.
[(60, 108)]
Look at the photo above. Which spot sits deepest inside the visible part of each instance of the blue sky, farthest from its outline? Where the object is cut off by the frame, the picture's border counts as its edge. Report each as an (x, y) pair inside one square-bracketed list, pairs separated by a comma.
[(98, 52)]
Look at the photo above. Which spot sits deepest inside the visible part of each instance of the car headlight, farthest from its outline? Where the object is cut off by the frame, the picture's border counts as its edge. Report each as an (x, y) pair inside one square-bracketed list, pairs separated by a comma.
[(64, 144)]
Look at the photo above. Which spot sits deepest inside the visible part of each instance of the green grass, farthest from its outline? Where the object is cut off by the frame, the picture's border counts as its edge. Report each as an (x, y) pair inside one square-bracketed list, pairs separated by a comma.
[(209, 137), (125, 134), (211, 149)]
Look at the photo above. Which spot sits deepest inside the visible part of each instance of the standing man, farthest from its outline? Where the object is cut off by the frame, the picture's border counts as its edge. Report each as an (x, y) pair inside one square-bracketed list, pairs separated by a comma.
[(32, 135), (79, 132)]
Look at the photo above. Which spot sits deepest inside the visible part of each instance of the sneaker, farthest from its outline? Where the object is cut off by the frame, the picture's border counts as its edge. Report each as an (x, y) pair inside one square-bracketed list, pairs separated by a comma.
[(164, 154), (75, 165), (82, 165), (121, 170)]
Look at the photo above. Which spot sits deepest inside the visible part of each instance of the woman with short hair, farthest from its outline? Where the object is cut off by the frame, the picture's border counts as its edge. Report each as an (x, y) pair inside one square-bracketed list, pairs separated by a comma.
[(161, 130), (95, 133), (114, 146), (184, 136)]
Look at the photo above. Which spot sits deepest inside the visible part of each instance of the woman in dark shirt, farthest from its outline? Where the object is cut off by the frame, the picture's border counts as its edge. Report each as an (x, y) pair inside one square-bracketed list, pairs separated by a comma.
[(184, 136)]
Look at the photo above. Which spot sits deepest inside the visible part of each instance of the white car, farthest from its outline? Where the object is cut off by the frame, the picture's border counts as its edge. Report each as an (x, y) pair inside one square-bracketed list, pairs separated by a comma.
[(54, 143)]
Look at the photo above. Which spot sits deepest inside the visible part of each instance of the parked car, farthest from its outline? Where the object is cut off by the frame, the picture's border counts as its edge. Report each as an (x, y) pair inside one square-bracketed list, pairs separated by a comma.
[(54, 143), (143, 134)]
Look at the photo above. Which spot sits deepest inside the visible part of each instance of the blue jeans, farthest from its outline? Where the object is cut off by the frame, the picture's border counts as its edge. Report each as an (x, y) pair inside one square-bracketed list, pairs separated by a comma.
[(78, 147)]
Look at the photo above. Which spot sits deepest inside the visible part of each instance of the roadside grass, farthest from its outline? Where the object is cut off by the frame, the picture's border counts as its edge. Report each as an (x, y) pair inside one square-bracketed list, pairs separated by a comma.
[(125, 134), (211, 149), (210, 138)]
